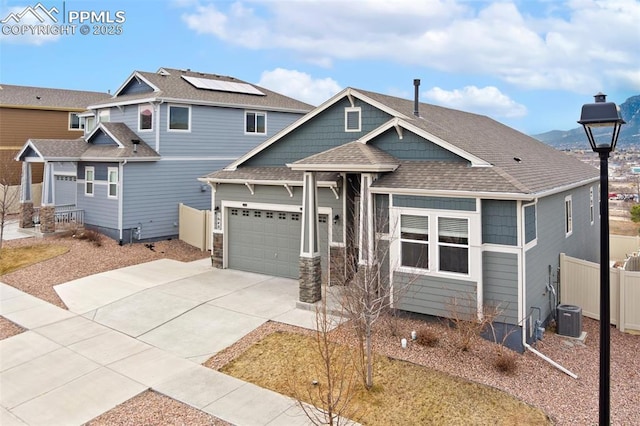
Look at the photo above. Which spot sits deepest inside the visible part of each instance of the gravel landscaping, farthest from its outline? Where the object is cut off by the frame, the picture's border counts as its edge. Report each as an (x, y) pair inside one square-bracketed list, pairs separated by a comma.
[(567, 401)]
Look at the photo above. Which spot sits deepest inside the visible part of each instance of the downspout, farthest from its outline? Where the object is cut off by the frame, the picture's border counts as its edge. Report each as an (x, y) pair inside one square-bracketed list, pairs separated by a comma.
[(120, 197), (523, 300)]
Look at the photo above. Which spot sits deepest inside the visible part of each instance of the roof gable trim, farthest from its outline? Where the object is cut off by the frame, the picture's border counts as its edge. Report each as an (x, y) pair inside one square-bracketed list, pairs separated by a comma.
[(138, 77), (104, 130)]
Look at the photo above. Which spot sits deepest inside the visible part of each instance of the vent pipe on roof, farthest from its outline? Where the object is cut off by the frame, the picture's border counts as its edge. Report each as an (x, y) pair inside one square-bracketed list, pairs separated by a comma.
[(416, 103), (135, 143)]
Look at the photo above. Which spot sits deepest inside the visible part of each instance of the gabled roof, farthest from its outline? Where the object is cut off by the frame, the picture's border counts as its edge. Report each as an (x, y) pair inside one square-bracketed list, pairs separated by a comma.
[(267, 176), (82, 149), (169, 85), (527, 165), (353, 156), (27, 97)]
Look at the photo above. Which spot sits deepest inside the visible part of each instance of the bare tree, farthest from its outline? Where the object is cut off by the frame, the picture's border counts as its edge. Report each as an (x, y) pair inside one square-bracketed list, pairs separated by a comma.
[(8, 195), (330, 393)]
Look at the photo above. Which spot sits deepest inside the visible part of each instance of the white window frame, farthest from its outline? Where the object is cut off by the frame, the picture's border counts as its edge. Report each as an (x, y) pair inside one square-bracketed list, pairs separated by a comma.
[(346, 121), (592, 212), (89, 124), (142, 107), (110, 183), (104, 116), (466, 246), (188, 108), (80, 121), (568, 215), (256, 114), (426, 243), (91, 182)]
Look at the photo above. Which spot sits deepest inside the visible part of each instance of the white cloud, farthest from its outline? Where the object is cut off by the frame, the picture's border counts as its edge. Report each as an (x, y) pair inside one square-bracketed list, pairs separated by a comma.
[(486, 100), (299, 85), (578, 45)]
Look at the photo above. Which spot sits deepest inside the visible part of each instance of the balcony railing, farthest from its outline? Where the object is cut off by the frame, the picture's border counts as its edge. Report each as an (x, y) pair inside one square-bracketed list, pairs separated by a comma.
[(65, 216)]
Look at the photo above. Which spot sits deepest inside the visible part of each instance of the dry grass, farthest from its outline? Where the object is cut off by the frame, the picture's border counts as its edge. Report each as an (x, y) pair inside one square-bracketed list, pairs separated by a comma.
[(14, 258), (404, 393), (624, 227)]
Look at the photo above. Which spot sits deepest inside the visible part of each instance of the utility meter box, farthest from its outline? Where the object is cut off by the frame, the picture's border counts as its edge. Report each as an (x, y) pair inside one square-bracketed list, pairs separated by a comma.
[(569, 320)]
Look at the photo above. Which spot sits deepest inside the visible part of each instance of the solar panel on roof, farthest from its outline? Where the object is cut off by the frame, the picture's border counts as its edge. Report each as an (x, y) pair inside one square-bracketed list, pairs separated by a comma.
[(222, 86)]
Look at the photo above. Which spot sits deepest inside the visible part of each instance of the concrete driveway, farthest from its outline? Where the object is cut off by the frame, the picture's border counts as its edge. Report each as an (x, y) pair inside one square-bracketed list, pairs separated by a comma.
[(148, 326), (189, 309)]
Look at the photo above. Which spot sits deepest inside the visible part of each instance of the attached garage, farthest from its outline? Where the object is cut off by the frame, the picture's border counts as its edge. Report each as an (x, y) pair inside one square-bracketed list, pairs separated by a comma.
[(268, 241), (65, 190)]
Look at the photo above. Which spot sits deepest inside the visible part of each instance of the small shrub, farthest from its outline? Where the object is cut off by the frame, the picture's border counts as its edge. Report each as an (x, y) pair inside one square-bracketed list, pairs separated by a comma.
[(90, 235), (427, 337), (505, 362)]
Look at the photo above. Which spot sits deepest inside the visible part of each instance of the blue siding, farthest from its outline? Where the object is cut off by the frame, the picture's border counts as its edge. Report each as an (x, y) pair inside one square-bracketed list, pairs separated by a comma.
[(216, 132), (101, 138), (278, 195), (325, 131), (439, 203), (135, 86), (499, 222), (433, 296), (99, 210), (583, 243), (500, 284), (412, 147)]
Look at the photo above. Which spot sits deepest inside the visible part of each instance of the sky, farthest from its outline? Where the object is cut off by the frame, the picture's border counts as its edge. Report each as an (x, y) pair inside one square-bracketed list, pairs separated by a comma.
[(530, 64)]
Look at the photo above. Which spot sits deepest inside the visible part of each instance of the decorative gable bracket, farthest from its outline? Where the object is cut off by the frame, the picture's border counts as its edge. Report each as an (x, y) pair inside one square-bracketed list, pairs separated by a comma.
[(250, 186), (289, 190)]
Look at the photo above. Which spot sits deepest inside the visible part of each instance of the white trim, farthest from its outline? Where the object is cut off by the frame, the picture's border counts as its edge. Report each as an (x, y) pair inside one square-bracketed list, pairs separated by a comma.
[(568, 216), (92, 181), (120, 196), (169, 129), (353, 168), (256, 114), (137, 76), (80, 123), (450, 193), (534, 242), (348, 110), (204, 158), (109, 183)]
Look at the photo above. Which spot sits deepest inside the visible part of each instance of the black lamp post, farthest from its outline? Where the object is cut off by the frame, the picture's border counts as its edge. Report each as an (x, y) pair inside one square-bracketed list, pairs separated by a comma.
[(594, 116)]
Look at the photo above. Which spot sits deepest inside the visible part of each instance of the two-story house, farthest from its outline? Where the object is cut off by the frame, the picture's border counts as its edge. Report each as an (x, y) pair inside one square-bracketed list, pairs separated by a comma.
[(144, 148), (37, 112), (445, 204)]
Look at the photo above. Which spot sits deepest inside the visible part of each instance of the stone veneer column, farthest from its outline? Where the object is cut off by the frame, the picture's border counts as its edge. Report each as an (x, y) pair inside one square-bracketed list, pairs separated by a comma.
[(310, 279), (218, 251), (26, 214), (47, 219)]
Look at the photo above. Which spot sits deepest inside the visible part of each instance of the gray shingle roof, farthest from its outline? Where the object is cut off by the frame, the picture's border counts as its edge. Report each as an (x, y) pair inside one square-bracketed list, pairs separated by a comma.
[(266, 174), (174, 87), (350, 156), (81, 150), (45, 98), (531, 164)]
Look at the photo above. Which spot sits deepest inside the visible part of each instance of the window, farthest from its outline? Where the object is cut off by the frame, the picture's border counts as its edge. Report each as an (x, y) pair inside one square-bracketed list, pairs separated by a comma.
[(145, 117), (255, 122), (453, 243), (104, 116), (113, 182), (89, 124), (414, 241), (75, 122), (89, 176), (352, 121), (592, 213), (568, 216), (295, 216), (179, 118)]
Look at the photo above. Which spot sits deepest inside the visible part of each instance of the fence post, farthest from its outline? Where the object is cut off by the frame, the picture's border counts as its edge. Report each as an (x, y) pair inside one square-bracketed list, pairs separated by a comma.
[(622, 290)]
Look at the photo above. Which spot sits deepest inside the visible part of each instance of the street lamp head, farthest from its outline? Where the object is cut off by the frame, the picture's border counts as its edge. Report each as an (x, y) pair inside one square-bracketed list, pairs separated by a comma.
[(601, 114)]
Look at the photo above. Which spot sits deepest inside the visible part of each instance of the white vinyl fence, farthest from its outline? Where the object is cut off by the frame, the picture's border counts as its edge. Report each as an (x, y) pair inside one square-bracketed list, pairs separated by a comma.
[(195, 227), (580, 286)]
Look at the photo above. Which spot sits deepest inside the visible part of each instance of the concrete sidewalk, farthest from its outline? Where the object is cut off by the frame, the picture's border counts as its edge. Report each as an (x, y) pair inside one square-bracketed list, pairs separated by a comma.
[(148, 326)]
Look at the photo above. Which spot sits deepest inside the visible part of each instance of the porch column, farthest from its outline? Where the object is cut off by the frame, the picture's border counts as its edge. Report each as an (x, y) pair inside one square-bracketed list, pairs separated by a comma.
[(26, 202), (367, 239), (310, 277), (48, 209)]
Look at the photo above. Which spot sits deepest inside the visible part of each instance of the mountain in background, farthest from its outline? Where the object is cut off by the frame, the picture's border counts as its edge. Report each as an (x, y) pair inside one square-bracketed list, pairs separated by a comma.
[(576, 138)]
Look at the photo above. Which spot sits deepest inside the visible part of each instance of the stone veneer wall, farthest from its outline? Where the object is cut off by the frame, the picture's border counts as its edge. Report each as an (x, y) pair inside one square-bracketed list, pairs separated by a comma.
[(47, 219), (26, 214), (310, 279), (218, 250)]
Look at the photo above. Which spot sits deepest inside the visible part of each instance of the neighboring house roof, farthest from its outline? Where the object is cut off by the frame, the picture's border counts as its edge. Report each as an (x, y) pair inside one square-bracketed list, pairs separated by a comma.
[(169, 85), (82, 149), (27, 97), (517, 163)]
